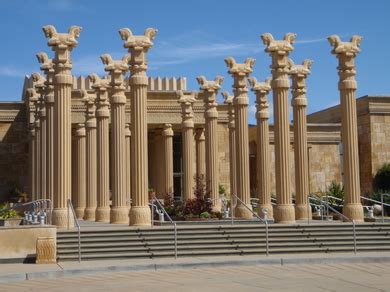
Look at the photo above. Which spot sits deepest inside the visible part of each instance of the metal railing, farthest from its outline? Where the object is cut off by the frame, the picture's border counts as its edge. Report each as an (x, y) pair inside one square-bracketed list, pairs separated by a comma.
[(383, 209), (257, 216), (156, 203), (378, 202), (39, 211), (70, 208), (345, 218)]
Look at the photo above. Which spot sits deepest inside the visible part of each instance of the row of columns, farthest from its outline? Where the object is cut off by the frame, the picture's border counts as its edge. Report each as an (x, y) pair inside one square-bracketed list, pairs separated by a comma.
[(50, 131)]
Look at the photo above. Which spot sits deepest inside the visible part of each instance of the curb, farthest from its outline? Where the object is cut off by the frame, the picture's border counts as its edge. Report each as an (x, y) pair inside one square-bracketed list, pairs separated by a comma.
[(188, 265)]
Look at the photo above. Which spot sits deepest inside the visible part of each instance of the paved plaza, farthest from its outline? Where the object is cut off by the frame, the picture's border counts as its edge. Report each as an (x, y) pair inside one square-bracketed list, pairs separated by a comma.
[(292, 277)]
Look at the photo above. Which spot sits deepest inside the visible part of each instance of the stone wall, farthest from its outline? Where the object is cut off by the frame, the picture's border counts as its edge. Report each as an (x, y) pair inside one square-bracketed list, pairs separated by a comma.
[(13, 149)]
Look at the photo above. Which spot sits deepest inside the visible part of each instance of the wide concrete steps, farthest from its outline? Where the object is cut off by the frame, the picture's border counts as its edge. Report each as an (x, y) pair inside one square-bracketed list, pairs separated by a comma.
[(214, 240)]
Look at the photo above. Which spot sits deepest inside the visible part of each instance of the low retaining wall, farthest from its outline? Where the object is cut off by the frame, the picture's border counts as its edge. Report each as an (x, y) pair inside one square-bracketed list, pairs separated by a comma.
[(18, 244)]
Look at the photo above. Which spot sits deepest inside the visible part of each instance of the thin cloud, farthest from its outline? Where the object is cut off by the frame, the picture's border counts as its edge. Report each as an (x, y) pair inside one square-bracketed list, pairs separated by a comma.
[(64, 5), (311, 41), (8, 71)]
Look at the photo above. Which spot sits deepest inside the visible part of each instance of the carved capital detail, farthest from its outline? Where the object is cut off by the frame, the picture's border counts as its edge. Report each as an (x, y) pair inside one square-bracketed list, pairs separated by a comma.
[(116, 70), (261, 90), (186, 102), (298, 75)]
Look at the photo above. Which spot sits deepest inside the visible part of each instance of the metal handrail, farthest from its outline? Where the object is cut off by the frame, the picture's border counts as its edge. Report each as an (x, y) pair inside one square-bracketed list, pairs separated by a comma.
[(155, 200), (38, 205), (345, 218), (383, 209), (258, 217), (70, 208)]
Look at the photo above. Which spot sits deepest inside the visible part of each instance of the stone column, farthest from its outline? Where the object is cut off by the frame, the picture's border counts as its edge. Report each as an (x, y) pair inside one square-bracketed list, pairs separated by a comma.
[(91, 155), (138, 46), (62, 45), (187, 114), (42, 143), (279, 50), (128, 164), (208, 90), (299, 74), (79, 186), (232, 143), (240, 73), (200, 153), (263, 177), (167, 146), (119, 211), (32, 99), (159, 169), (346, 53), (102, 136), (47, 67)]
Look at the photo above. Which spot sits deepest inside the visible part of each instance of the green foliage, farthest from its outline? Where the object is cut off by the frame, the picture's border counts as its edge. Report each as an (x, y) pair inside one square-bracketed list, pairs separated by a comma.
[(335, 190), (382, 179), (7, 214), (222, 189), (205, 215)]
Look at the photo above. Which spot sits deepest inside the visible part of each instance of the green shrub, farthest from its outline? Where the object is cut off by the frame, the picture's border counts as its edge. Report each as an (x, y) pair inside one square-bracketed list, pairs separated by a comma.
[(6, 213), (222, 189), (205, 215), (382, 179)]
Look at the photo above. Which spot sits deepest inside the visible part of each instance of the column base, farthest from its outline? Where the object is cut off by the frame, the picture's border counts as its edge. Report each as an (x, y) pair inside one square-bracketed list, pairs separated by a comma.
[(102, 214), (284, 214), (354, 212), (270, 214), (302, 212), (60, 218), (89, 214), (119, 215), (241, 212), (140, 216), (80, 213)]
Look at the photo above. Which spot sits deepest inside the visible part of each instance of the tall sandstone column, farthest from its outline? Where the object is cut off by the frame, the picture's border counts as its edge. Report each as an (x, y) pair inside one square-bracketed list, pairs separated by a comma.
[(32, 99), (187, 124), (263, 175), (346, 53), (100, 85), (167, 145), (42, 135), (128, 164), (299, 74), (279, 50), (79, 186), (208, 90), (232, 143), (62, 45), (138, 46), (240, 73), (200, 153), (47, 67), (159, 163), (119, 212), (91, 155)]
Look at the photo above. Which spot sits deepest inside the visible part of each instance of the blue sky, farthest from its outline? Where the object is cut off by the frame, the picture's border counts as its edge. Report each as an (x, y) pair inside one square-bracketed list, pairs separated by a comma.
[(194, 37)]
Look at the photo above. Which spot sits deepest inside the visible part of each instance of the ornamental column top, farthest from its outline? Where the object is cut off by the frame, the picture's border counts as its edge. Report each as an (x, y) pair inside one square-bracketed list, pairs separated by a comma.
[(89, 101), (351, 48), (236, 69), (300, 71), (186, 102), (278, 47), (228, 99), (47, 65), (260, 88), (115, 66), (62, 43), (211, 86), (100, 85), (139, 42)]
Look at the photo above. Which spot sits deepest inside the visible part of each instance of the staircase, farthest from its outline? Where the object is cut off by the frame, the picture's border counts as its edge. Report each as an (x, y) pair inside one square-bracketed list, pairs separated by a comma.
[(213, 240)]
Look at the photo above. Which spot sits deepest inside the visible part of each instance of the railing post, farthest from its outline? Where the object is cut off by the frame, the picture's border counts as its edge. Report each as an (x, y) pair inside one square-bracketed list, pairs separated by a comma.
[(174, 225), (383, 209), (354, 236), (68, 215), (266, 238)]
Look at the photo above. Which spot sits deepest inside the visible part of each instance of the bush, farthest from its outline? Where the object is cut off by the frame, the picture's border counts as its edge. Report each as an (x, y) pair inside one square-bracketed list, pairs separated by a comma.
[(7, 214), (382, 179), (205, 215)]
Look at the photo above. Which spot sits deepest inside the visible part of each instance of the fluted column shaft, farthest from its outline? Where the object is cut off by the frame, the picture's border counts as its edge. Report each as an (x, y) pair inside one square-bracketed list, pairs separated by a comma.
[(263, 177), (103, 165), (49, 146), (138, 47), (346, 53), (128, 164), (200, 153), (63, 80), (187, 114), (279, 50), (159, 162), (91, 169), (119, 212), (79, 186), (37, 157), (212, 174), (43, 153), (301, 161), (167, 138), (32, 161)]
